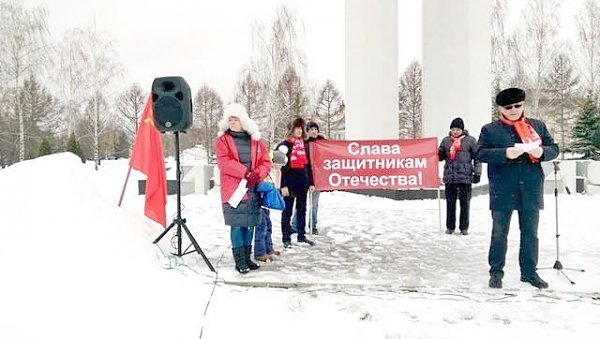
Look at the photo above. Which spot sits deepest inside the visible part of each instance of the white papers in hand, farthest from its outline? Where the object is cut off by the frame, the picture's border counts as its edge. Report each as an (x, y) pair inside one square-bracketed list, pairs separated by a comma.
[(527, 147), (239, 193)]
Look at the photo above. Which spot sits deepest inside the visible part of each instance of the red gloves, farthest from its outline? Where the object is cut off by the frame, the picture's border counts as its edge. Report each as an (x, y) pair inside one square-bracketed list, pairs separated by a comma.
[(252, 179)]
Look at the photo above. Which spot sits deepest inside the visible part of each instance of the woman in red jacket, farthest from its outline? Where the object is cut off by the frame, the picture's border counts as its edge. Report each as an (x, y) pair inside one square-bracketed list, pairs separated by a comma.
[(241, 154)]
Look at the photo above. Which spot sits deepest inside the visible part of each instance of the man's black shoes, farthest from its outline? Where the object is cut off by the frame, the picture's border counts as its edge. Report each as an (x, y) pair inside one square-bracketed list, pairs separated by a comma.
[(495, 282), (535, 280), (307, 241)]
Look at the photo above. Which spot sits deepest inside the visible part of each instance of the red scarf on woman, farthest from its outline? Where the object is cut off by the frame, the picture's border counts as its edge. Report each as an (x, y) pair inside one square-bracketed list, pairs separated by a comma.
[(525, 131), (298, 157), (455, 147)]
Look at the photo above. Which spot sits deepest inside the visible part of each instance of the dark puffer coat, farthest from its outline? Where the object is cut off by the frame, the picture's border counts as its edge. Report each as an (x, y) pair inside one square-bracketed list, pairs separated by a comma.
[(466, 164), (516, 184)]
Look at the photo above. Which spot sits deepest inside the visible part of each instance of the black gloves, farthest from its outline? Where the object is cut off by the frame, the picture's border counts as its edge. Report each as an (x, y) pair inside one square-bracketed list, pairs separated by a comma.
[(476, 178)]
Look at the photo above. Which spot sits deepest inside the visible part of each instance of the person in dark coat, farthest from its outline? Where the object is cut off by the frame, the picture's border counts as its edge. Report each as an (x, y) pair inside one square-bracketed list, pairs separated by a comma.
[(462, 168), (513, 148), (241, 154), (296, 181), (312, 129)]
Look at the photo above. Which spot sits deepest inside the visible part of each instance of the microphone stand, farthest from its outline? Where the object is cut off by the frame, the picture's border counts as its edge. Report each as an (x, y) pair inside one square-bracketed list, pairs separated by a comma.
[(557, 264)]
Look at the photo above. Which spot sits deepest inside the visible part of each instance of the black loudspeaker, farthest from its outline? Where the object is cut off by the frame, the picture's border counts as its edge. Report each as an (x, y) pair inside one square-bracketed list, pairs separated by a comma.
[(172, 104)]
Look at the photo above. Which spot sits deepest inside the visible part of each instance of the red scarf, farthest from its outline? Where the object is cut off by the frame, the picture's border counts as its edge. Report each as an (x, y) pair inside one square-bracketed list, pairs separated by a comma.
[(525, 131), (298, 157), (455, 147)]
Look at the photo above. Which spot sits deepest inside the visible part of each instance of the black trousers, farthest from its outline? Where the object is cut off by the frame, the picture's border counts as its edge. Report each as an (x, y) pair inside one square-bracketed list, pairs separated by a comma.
[(463, 193), (299, 195), (528, 248)]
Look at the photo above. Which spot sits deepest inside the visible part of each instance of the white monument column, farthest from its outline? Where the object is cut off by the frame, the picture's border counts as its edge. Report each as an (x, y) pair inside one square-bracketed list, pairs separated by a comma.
[(456, 65), (371, 69)]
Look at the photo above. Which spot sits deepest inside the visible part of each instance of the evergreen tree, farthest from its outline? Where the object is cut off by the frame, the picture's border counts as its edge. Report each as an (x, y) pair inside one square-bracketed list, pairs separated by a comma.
[(123, 145), (561, 83), (330, 110), (587, 124), (45, 147), (410, 101), (38, 109), (596, 139), (73, 147)]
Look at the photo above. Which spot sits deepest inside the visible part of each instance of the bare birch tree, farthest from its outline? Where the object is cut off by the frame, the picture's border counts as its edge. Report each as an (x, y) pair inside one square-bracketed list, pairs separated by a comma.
[(536, 45), (23, 44), (208, 108), (69, 79), (588, 23), (410, 115), (276, 51), (500, 45), (92, 50), (130, 105), (249, 93), (95, 124)]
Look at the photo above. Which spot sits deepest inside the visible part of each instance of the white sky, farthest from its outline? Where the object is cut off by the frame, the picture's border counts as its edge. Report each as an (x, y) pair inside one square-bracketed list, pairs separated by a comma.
[(74, 265), (209, 41)]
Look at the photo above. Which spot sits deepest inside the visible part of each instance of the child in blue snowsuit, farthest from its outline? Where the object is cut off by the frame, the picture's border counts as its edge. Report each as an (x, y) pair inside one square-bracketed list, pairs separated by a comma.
[(263, 243)]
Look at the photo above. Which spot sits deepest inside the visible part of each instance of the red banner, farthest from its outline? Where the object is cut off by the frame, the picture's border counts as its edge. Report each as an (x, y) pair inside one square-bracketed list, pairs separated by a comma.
[(370, 164)]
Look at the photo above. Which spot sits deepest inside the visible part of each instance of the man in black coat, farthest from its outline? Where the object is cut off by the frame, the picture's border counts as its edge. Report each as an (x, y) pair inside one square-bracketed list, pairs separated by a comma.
[(513, 147), (462, 168)]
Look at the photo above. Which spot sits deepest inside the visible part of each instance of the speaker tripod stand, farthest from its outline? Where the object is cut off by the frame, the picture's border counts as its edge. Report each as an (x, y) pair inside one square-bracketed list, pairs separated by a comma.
[(179, 222), (557, 264)]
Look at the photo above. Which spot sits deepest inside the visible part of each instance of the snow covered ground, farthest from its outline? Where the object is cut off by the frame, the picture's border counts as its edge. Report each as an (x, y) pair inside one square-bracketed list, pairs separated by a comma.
[(74, 265)]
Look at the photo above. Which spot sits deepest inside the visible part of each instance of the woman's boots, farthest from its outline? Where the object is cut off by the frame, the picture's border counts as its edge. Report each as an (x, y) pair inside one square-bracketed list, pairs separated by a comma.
[(239, 256), (243, 263), (251, 264)]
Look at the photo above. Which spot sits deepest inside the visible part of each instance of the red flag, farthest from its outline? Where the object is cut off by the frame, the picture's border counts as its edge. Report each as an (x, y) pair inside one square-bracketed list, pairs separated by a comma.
[(147, 157)]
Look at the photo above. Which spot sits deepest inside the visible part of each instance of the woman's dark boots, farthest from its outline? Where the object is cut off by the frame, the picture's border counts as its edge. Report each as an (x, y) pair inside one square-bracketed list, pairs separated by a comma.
[(239, 255), (251, 264)]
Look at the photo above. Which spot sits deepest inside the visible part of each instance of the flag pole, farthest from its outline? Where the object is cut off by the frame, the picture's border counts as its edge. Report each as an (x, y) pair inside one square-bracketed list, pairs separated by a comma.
[(439, 206), (124, 186)]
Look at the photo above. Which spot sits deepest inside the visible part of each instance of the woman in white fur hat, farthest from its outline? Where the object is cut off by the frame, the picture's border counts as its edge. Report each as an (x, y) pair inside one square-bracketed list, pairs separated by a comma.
[(241, 154)]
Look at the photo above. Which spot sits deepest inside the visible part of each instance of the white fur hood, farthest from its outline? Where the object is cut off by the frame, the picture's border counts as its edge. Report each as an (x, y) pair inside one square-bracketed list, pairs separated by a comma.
[(236, 110)]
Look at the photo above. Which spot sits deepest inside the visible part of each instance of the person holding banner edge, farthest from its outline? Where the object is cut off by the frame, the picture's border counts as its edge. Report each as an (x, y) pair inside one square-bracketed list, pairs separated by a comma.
[(296, 181), (513, 147), (459, 151), (312, 129)]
